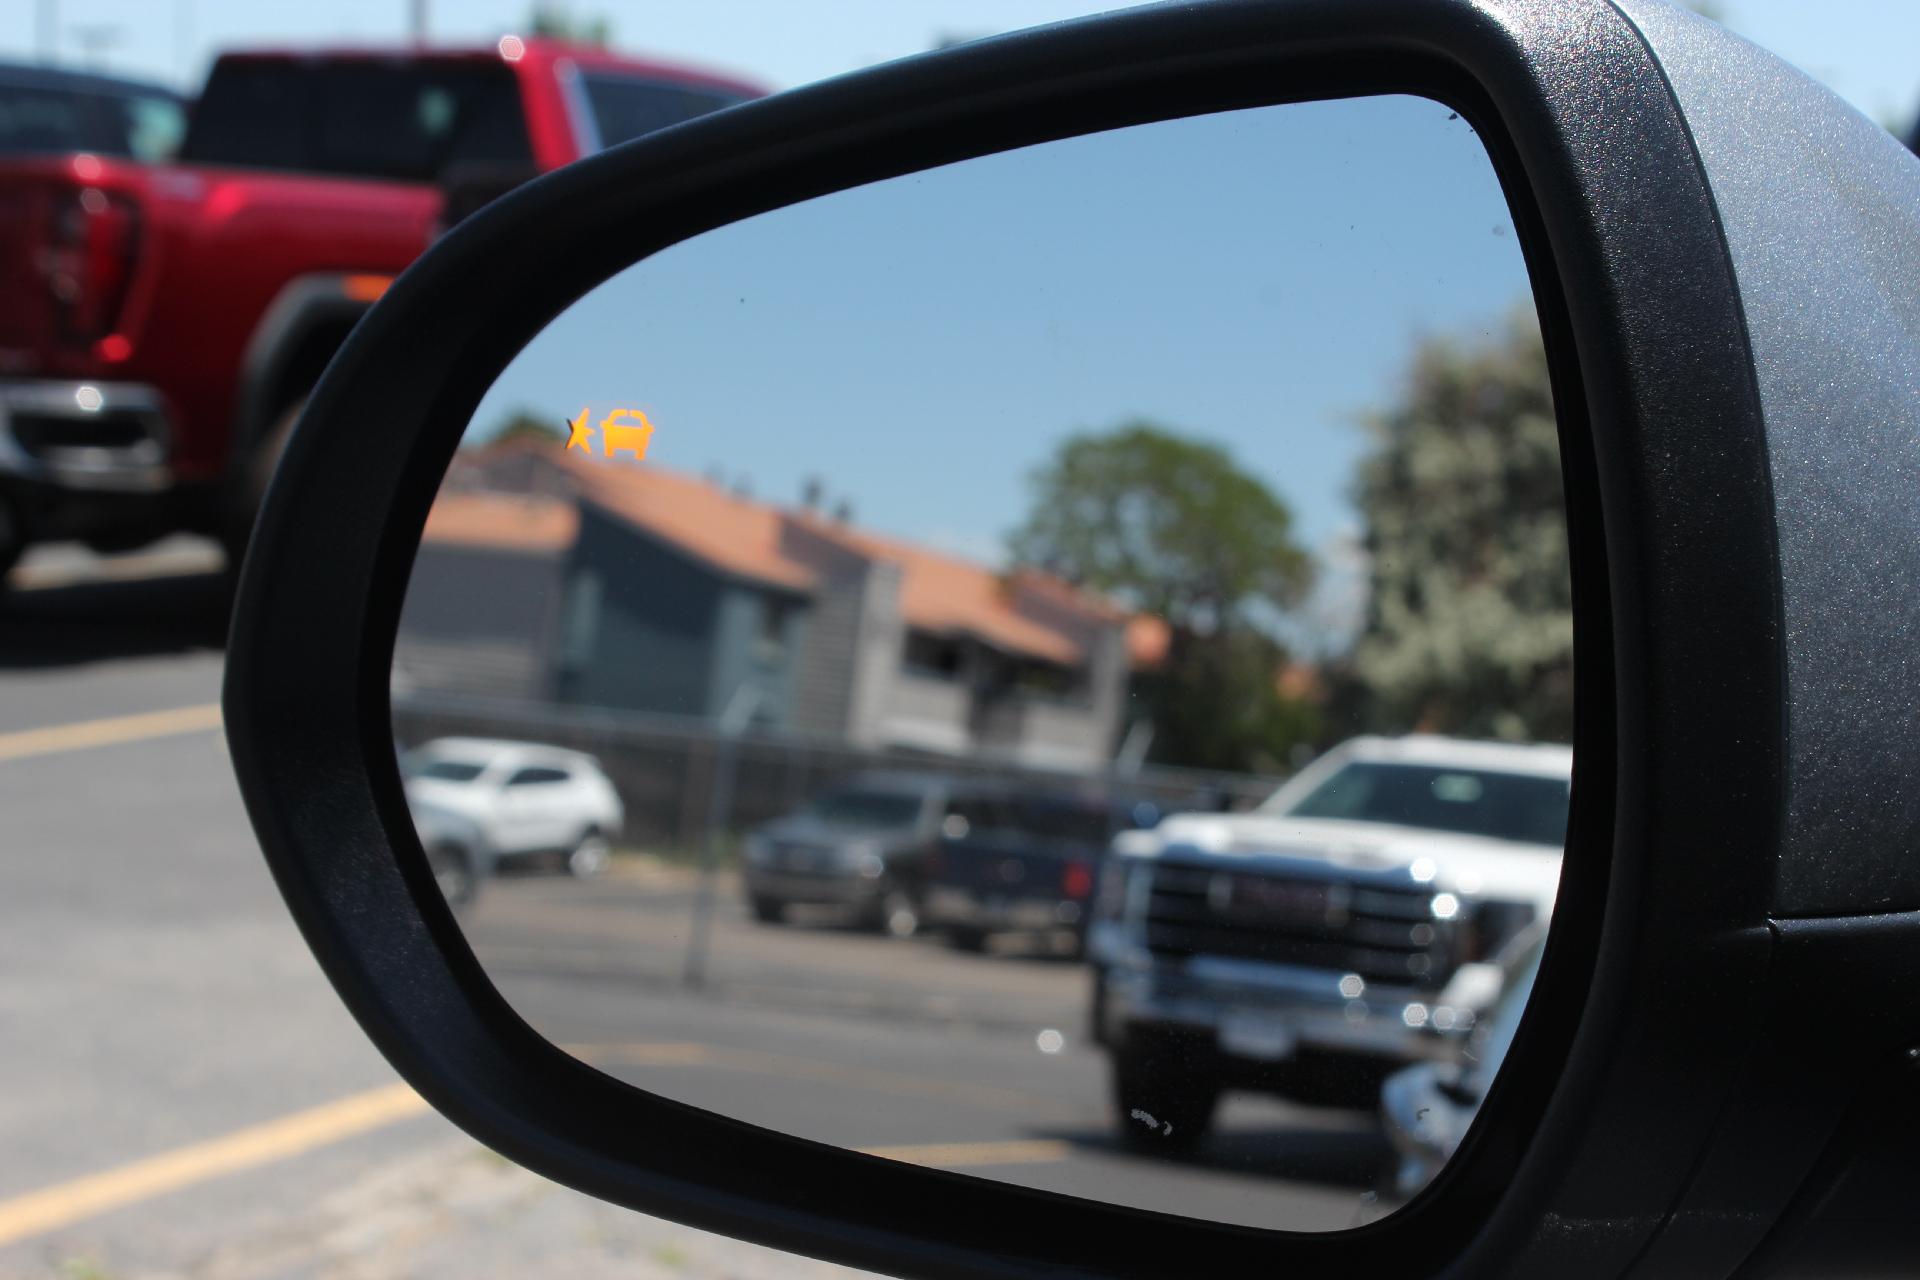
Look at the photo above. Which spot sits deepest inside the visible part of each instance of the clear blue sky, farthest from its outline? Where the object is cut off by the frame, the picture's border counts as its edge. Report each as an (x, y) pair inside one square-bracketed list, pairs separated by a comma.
[(1867, 50), (1067, 324), (1256, 279)]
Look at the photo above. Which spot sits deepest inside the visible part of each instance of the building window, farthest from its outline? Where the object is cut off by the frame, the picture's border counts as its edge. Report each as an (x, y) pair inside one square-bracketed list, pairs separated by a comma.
[(580, 620), (937, 657), (1034, 678), (1047, 679), (775, 616)]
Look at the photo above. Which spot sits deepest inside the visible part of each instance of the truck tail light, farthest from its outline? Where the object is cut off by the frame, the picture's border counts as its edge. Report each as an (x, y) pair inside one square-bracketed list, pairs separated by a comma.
[(87, 259), (1077, 881)]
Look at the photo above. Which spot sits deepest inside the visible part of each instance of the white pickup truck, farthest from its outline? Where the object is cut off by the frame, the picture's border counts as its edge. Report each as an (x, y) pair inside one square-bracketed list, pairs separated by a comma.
[(1350, 925)]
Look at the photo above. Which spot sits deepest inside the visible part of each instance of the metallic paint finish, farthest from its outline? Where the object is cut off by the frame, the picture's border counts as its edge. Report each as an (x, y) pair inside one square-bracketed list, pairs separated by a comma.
[(1833, 336)]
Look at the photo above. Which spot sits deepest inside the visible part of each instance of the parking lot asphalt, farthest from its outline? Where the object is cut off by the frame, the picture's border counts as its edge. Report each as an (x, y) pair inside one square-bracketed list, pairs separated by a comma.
[(898, 1047), (182, 1094)]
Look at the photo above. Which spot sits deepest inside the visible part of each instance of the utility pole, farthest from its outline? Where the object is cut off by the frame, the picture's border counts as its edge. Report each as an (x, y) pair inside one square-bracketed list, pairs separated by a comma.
[(733, 722), (46, 23), (94, 39), (419, 19), (1122, 773), (183, 40)]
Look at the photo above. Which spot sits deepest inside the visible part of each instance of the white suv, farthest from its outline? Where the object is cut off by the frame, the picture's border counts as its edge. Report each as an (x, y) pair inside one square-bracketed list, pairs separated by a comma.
[(527, 800)]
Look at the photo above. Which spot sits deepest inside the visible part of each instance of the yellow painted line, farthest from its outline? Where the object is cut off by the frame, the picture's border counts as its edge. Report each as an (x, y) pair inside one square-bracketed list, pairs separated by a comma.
[(964, 1155), (105, 733), (54, 1207), (134, 568)]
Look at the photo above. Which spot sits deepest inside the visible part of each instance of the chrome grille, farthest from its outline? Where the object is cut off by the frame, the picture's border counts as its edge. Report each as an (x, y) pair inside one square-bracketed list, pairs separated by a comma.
[(1381, 928)]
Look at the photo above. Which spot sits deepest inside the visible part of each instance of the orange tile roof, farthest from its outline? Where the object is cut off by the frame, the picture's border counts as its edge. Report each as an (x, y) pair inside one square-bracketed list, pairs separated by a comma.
[(1301, 682), (502, 522), (939, 592), (943, 593), (1148, 639), (730, 532)]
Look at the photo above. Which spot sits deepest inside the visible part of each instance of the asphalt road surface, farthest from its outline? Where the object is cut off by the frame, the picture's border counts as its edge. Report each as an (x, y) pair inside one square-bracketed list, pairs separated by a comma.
[(181, 1094), (905, 1049)]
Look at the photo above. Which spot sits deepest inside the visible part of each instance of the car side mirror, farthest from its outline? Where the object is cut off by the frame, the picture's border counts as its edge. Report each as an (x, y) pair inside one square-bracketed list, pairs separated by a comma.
[(1714, 1068)]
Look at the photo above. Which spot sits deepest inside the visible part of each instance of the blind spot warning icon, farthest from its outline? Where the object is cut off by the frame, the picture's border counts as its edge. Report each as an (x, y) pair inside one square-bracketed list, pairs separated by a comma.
[(619, 438), (626, 439)]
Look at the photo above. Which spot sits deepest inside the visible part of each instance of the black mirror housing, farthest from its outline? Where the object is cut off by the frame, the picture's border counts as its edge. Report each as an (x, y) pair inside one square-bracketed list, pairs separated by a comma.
[(1731, 327)]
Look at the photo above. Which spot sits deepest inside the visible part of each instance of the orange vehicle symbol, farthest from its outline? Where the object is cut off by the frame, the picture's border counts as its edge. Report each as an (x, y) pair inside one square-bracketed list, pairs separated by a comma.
[(619, 439), (623, 439)]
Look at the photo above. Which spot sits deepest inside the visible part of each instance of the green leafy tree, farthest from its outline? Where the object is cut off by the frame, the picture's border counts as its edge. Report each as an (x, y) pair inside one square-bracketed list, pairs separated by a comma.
[(1173, 527), (524, 424), (558, 22), (1470, 615)]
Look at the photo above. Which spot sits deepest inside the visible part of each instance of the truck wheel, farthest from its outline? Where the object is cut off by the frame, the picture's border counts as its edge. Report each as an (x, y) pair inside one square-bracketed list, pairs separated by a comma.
[(767, 910), (1163, 1099), (13, 541), (588, 858), (249, 488), (453, 872), (967, 938), (1097, 1007)]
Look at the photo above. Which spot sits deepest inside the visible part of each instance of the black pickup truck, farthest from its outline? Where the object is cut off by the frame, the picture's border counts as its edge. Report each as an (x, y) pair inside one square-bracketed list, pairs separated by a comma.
[(1023, 861), (47, 110)]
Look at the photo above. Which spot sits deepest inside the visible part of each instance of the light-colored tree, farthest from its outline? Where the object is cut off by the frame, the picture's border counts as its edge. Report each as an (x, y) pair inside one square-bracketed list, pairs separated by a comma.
[(1470, 614)]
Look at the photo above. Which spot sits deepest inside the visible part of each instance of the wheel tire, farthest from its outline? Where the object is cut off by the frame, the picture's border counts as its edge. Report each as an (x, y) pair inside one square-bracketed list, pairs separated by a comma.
[(589, 856), (962, 938), (1097, 1007), (453, 872), (767, 910), (13, 542), (1163, 1098), (1321, 1079), (896, 914), (249, 488)]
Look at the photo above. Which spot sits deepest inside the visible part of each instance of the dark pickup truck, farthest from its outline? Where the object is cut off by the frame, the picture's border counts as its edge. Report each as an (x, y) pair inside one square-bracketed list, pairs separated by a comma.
[(51, 110), (861, 846), (1023, 861), (163, 323)]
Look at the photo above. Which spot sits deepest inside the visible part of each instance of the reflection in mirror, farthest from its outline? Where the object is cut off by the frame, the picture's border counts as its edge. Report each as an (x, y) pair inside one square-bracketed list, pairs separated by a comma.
[(1051, 667)]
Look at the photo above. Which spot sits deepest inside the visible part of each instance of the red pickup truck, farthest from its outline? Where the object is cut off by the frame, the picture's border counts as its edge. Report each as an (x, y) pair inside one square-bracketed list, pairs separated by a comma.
[(162, 324)]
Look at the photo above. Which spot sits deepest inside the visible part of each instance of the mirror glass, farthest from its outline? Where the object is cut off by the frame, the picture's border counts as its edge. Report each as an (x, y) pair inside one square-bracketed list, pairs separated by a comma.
[(1057, 667)]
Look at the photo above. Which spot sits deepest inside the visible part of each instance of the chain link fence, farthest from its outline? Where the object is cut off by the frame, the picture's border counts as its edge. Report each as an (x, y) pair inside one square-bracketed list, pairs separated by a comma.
[(665, 767)]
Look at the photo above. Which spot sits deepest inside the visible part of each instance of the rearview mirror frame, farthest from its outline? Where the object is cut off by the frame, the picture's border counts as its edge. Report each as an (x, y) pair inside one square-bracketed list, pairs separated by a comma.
[(1657, 966)]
